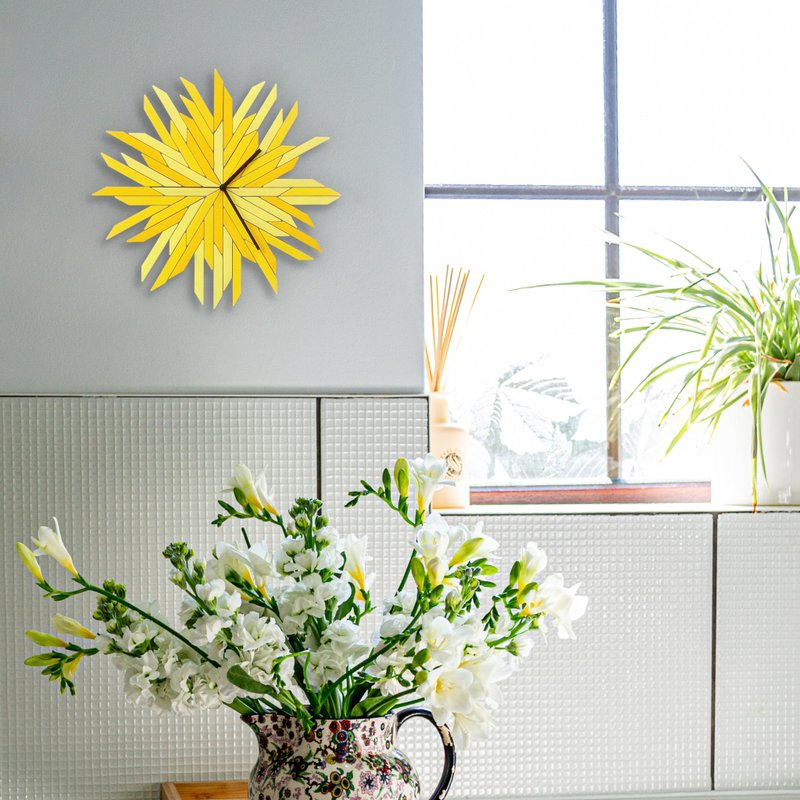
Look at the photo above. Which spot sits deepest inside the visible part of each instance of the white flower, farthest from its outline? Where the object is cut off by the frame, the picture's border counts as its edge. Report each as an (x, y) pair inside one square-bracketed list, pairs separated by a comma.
[(532, 561), (345, 637), (521, 646), (260, 562), (433, 538), (475, 722), (488, 667), (138, 633), (252, 631), (307, 598), (50, 544), (188, 608), (403, 602), (228, 558), (324, 666), (563, 604), (228, 604), (447, 693), (355, 559), (444, 642), (387, 668), (255, 490), (285, 558), (207, 628), (394, 625), (211, 591), (428, 475)]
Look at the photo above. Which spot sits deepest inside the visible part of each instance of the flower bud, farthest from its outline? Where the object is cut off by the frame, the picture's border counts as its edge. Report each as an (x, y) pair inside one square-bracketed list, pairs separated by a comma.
[(45, 639), (28, 560), (401, 470), (71, 627)]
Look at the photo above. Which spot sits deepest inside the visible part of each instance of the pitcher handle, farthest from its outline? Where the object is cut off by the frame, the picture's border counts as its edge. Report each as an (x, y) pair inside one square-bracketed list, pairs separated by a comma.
[(449, 771)]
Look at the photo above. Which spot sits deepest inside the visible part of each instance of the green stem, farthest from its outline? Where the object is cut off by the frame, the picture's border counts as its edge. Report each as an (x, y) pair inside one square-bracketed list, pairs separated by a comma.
[(90, 587)]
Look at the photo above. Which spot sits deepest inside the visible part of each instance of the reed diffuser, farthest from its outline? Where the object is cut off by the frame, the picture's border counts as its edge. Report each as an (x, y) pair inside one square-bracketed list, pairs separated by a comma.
[(450, 301)]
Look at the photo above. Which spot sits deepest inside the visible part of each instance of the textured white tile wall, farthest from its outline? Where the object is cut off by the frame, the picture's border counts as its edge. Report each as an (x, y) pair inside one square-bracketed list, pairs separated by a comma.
[(124, 477), (758, 652), (626, 707)]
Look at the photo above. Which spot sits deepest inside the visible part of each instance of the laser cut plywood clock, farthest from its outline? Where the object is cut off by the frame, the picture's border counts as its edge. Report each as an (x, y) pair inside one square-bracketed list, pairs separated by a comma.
[(215, 191)]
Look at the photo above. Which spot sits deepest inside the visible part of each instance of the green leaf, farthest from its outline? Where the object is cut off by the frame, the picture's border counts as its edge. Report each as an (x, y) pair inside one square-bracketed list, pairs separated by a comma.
[(238, 677), (793, 371)]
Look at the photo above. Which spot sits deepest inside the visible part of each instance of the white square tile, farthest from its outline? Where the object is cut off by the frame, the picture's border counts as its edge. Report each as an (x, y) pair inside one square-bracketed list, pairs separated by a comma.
[(758, 652)]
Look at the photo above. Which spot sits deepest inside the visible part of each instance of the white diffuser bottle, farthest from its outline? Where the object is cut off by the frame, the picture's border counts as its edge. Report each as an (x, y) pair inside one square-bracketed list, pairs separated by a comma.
[(449, 442)]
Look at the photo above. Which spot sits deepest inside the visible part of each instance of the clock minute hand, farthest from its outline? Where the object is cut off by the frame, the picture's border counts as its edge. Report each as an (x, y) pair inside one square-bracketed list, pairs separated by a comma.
[(241, 218), (223, 187)]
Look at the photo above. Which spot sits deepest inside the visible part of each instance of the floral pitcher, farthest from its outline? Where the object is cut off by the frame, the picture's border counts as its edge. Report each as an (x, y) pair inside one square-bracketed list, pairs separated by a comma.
[(354, 759)]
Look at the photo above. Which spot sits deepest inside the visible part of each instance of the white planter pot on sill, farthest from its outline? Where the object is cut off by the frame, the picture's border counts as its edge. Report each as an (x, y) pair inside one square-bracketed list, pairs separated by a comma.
[(731, 468)]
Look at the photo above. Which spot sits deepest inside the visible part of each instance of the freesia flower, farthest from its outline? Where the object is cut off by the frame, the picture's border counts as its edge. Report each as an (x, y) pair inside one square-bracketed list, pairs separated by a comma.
[(561, 603), (255, 490), (433, 538), (532, 561), (475, 722), (71, 627), (71, 667), (447, 692), (428, 475), (50, 544), (355, 558), (445, 643), (28, 560)]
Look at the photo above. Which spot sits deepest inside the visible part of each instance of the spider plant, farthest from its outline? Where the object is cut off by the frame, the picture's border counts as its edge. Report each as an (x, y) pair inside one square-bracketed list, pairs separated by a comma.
[(744, 332)]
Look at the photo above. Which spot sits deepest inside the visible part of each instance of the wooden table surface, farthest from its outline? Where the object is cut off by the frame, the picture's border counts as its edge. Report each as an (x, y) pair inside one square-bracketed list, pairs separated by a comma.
[(225, 790)]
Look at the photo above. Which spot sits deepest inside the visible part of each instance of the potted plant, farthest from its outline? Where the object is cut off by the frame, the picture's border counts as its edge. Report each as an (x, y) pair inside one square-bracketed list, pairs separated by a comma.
[(275, 630), (740, 373)]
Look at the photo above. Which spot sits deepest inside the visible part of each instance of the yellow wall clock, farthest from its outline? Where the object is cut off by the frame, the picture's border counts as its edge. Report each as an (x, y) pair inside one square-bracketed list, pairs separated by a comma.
[(214, 190)]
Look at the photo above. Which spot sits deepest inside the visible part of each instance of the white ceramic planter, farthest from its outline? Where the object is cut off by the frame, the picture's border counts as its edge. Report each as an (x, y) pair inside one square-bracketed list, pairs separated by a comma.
[(730, 448)]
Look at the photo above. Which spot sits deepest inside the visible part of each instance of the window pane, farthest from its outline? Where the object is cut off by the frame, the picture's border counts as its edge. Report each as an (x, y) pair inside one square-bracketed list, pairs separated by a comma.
[(513, 91), (702, 84), (728, 235), (529, 383)]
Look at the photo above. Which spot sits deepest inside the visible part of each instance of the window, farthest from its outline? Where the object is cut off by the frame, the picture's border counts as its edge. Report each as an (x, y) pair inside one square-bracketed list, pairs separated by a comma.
[(548, 123)]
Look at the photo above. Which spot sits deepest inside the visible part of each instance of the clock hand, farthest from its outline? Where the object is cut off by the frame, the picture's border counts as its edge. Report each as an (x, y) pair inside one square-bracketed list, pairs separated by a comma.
[(241, 218), (224, 186)]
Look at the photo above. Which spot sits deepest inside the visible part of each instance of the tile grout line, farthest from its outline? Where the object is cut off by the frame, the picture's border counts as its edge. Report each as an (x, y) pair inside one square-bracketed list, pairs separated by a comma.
[(714, 546), (318, 433)]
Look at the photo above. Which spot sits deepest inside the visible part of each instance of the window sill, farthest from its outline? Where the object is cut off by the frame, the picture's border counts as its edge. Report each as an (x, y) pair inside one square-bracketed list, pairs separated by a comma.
[(616, 509)]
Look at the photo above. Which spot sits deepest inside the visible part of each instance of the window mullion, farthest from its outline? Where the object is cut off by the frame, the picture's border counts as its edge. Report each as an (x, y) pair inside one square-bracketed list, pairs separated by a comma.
[(611, 157)]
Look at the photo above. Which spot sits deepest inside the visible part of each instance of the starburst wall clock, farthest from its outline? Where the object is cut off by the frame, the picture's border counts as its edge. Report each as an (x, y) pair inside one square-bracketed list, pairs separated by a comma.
[(214, 190)]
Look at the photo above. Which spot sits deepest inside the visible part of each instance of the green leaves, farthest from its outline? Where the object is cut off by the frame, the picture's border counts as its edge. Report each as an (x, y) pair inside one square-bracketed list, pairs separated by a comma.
[(238, 677)]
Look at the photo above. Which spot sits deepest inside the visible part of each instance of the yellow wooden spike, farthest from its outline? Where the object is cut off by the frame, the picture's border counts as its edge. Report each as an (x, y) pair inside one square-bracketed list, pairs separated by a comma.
[(219, 153), (199, 275), (130, 172), (219, 88), (172, 111), (129, 222), (218, 275), (155, 252), (296, 152), (155, 121), (301, 236), (237, 277), (203, 111), (227, 114), (248, 101), (265, 108), (284, 129), (157, 177), (227, 258)]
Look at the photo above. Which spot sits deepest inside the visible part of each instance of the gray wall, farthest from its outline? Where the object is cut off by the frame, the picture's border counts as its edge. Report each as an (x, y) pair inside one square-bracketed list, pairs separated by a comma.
[(74, 316)]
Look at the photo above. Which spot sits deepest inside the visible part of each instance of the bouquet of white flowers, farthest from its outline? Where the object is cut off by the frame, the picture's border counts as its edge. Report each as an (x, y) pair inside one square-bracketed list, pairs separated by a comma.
[(283, 629)]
